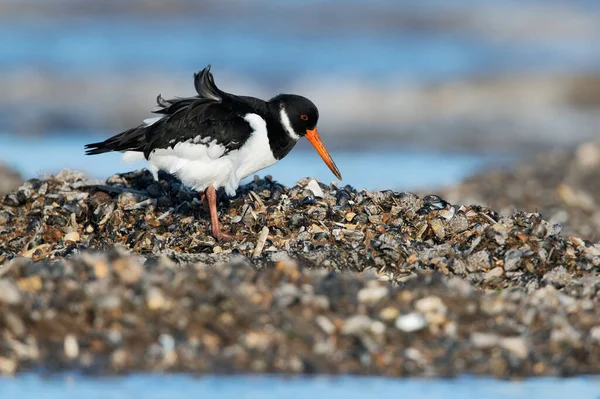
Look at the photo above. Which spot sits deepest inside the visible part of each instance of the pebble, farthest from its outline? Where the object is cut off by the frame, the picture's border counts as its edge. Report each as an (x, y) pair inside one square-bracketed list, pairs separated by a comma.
[(356, 325), (495, 273), (325, 324), (484, 340), (377, 327), (9, 293), (167, 342), (389, 313), (155, 299), (118, 359), (431, 304), (71, 347), (372, 295), (129, 272), (30, 284), (15, 324), (286, 295), (108, 302), (411, 322), (100, 270), (512, 259), (516, 345)]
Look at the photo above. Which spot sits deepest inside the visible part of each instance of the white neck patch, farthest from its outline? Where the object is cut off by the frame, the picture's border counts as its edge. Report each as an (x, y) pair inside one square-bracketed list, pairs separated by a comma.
[(285, 121)]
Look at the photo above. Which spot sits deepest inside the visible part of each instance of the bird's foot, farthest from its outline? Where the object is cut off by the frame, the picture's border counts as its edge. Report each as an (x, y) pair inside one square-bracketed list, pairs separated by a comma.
[(221, 236)]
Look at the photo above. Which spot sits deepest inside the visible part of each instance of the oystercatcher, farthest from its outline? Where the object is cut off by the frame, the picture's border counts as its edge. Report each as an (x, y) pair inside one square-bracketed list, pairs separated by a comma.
[(216, 139)]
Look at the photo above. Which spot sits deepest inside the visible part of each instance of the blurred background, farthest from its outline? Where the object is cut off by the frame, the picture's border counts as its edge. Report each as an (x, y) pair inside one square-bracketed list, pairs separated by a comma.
[(411, 94)]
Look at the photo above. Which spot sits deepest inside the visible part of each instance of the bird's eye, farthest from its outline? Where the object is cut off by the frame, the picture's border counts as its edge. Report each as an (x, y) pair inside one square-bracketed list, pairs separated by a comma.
[(304, 117)]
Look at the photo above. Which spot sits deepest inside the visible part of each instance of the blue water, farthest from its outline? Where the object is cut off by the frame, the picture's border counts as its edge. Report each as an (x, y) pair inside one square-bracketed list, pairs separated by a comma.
[(180, 386), (273, 42), (116, 44), (381, 169)]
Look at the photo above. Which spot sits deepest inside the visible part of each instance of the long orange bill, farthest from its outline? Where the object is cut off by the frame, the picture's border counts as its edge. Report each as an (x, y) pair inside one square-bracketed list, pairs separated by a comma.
[(315, 140)]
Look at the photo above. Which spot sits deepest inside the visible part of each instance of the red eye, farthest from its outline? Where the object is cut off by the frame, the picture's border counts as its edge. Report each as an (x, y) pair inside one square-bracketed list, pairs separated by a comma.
[(304, 117)]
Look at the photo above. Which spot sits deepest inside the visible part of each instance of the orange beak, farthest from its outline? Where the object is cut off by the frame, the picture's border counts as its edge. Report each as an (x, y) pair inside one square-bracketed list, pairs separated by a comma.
[(315, 140)]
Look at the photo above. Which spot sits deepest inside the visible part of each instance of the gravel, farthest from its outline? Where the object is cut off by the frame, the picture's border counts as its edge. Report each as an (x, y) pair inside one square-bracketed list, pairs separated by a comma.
[(122, 275), (563, 186), (288, 319)]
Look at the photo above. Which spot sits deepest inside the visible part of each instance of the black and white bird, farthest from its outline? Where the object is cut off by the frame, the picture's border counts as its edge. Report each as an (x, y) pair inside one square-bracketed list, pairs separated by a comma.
[(216, 139)]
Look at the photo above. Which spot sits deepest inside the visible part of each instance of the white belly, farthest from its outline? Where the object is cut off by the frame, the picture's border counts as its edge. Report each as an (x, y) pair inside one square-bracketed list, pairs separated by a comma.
[(199, 165)]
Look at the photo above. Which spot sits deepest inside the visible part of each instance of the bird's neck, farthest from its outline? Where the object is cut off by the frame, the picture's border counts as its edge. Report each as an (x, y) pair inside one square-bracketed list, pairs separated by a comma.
[(280, 141)]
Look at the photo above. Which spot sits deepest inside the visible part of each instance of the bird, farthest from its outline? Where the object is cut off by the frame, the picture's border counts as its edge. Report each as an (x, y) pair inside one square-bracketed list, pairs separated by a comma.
[(216, 139)]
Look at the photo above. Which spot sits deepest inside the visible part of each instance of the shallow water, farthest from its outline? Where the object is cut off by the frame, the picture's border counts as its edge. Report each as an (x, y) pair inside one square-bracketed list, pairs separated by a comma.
[(181, 386), (245, 43), (383, 169)]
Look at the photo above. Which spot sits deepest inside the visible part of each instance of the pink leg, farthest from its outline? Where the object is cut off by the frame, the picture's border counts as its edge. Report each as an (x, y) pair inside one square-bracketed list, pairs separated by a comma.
[(210, 196)]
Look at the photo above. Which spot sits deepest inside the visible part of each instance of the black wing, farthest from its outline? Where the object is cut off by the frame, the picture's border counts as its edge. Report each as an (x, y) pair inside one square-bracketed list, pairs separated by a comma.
[(211, 115), (202, 122)]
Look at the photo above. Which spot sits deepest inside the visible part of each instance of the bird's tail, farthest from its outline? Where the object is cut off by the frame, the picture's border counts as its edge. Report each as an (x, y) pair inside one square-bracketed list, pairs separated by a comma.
[(130, 140)]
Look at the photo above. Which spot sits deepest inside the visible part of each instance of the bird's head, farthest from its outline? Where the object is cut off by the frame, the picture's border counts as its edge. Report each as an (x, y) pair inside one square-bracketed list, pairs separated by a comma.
[(299, 117)]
